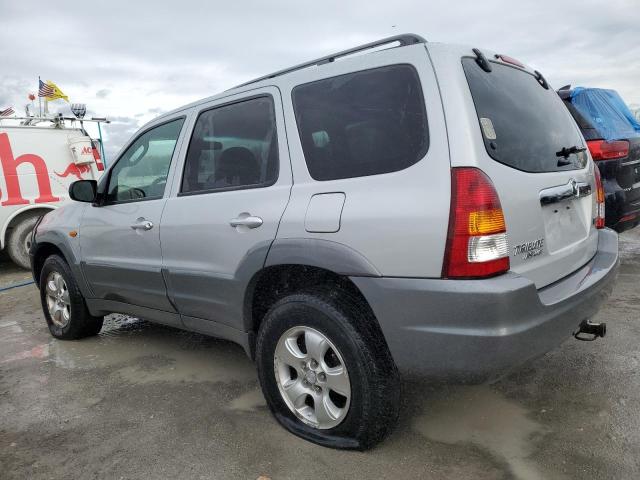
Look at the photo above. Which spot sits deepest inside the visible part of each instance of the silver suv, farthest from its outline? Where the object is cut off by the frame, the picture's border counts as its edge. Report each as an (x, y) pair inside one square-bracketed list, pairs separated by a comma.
[(422, 208)]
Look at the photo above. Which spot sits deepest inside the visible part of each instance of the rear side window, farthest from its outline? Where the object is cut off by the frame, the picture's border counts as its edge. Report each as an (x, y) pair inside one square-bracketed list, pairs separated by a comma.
[(362, 123), (524, 125), (232, 147)]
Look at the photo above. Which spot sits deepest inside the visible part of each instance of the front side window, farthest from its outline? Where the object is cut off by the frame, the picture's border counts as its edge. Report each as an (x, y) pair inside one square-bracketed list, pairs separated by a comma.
[(362, 123), (233, 146), (141, 172)]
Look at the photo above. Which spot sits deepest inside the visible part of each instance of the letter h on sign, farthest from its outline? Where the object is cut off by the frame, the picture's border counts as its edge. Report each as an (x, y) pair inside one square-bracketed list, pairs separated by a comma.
[(10, 169)]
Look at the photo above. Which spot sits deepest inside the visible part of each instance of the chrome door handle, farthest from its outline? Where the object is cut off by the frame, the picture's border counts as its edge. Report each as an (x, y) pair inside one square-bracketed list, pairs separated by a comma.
[(142, 224), (246, 220)]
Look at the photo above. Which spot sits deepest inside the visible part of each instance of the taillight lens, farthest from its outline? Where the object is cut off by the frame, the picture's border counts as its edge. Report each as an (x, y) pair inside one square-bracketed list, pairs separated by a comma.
[(602, 150), (599, 198), (477, 240)]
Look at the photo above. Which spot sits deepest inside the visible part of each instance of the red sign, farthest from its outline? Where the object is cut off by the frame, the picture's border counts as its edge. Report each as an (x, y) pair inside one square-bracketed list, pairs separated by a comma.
[(76, 170), (10, 169)]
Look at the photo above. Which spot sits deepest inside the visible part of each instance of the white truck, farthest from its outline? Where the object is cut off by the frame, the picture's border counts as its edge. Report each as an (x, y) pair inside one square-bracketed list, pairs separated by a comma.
[(39, 159)]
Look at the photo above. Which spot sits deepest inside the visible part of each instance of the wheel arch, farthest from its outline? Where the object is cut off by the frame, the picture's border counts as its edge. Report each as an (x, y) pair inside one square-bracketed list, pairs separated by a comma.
[(53, 242), (294, 265), (41, 253)]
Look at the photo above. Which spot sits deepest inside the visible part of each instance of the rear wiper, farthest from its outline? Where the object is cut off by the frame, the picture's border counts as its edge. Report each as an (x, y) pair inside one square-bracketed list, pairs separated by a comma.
[(565, 152)]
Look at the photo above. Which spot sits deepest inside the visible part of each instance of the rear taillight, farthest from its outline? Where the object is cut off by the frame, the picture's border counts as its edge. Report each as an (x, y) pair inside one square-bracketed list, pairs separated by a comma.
[(599, 198), (602, 150), (477, 239)]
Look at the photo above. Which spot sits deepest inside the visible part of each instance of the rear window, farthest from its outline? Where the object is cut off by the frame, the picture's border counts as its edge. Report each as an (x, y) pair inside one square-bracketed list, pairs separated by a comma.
[(524, 125), (589, 131), (362, 123)]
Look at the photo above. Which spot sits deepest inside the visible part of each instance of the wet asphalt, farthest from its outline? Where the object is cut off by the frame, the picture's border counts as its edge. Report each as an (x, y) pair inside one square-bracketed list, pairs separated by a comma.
[(142, 401)]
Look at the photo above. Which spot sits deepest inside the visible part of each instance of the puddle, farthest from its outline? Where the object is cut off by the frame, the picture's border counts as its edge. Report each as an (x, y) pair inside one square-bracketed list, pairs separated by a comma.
[(141, 352), (37, 352), (248, 402), (483, 417), (16, 346)]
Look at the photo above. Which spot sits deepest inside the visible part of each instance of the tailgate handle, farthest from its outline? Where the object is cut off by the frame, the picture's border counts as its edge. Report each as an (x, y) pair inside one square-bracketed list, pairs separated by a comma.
[(572, 189)]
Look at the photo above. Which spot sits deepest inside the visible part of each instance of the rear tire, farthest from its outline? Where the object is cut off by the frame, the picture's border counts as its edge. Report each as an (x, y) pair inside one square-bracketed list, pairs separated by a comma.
[(19, 242), (63, 305), (374, 394)]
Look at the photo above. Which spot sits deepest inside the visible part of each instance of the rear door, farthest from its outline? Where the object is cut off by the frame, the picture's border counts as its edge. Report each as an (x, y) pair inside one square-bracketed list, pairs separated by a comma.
[(537, 158), (233, 188)]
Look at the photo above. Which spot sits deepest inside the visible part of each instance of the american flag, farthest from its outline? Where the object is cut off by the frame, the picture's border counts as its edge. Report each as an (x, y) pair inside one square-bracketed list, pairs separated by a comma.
[(45, 90), (7, 112)]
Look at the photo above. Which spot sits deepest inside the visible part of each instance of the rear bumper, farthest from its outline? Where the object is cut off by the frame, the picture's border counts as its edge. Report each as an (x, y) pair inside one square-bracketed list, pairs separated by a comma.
[(622, 205), (625, 225), (628, 218), (479, 329)]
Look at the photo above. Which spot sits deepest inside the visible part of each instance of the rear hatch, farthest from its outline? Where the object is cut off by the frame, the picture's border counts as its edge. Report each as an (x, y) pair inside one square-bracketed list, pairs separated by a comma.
[(538, 162)]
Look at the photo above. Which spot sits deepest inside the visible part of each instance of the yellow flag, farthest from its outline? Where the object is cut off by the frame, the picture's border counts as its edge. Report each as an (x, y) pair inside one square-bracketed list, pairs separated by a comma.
[(57, 93)]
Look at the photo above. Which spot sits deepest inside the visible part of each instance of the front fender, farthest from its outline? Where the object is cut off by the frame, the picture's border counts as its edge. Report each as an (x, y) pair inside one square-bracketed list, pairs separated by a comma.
[(54, 230)]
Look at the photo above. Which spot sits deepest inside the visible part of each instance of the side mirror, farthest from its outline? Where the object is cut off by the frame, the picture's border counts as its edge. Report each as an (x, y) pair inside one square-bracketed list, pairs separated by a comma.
[(83, 191)]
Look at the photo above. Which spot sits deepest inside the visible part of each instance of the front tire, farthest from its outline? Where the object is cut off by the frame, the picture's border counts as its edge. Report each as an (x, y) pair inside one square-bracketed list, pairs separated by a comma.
[(326, 371), (63, 305)]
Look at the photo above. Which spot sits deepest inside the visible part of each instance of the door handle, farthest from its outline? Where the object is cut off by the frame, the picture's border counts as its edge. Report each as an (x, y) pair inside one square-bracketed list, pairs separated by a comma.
[(142, 224), (246, 220)]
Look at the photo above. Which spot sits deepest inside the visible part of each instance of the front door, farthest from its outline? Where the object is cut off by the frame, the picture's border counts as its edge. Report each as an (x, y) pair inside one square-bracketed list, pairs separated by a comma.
[(217, 228), (120, 239)]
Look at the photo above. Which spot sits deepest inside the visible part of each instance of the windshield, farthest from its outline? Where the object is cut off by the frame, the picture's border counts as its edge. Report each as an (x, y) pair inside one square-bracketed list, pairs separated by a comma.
[(524, 125)]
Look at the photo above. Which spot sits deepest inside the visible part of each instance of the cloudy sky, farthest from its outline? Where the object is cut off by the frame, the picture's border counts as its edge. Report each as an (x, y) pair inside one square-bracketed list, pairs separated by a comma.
[(131, 60)]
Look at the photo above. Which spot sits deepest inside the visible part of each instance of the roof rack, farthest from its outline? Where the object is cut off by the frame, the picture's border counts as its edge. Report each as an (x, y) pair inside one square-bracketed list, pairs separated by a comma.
[(403, 40), (58, 118)]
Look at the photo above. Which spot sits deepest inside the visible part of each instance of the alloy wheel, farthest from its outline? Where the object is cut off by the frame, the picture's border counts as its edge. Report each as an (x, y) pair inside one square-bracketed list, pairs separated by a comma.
[(58, 302), (312, 377)]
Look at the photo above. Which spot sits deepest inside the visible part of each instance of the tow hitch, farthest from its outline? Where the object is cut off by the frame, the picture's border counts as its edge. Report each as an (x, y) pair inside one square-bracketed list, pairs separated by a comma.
[(588, 332)]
